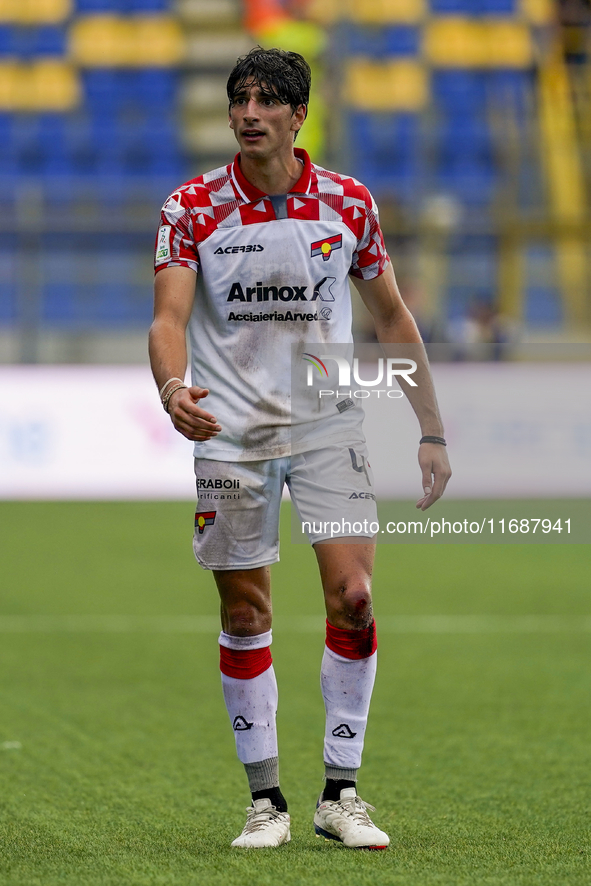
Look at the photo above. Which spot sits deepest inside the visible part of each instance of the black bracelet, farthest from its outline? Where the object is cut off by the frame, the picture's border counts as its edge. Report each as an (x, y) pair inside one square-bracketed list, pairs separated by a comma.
[(430, 439)]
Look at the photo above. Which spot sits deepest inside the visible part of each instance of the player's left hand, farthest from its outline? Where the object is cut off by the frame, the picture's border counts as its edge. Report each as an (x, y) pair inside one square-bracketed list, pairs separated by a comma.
[(436, 472)]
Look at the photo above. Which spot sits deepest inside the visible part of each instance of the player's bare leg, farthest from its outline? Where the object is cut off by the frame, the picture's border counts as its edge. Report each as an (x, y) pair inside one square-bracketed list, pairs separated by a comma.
[(250, 693), (245, 596), (345, 570), (347, 678)]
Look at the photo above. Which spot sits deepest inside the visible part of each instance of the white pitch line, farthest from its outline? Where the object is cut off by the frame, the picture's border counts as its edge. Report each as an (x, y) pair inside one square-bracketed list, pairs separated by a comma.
[(203, 624)]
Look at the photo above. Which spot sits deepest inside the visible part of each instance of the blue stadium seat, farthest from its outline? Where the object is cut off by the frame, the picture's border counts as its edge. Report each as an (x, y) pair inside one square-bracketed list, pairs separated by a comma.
[(7, 41), (59, 303), (109, 90), (385, 153), (156, 87), (106, 134), (459, 90), (465, 137), (26, 144), (513, 86), (543, 306), (8, 272), (101, 89), (383, 43), (473, 183), (96, 6), (497, 7), (6, 121), (148, 5), (123, 7), (457, 7), (92, 285), (51, 133), (68, 187), (44, 40)]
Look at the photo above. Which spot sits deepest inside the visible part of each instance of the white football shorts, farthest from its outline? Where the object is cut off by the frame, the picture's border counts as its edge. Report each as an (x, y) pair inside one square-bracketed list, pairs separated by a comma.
[(238, 503)]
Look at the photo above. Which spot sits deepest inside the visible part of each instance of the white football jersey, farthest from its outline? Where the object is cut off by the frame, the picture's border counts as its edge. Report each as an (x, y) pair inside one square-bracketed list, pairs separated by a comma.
[(272, 289)]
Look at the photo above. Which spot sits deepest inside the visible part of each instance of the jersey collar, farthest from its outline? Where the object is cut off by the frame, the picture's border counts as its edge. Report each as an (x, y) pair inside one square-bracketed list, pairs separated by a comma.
[(249, 193)]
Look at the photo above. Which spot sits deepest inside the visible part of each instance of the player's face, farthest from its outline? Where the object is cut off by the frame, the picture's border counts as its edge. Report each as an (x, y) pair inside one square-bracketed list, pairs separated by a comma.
[(263, 125)]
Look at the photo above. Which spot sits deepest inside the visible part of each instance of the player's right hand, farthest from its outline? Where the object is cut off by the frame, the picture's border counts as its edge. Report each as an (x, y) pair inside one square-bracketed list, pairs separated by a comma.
[(187, 416)]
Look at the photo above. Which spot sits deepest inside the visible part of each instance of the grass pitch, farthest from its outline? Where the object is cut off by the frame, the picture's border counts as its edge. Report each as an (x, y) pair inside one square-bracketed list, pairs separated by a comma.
[(117, 761)]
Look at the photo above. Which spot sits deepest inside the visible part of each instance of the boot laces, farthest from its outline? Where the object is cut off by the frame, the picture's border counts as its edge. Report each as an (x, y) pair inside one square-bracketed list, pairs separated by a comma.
[(256, 821), (356, 808)]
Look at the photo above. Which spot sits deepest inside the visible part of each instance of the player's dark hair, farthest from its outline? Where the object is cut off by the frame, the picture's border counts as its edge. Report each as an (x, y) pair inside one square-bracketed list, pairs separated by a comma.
[(286, 75)]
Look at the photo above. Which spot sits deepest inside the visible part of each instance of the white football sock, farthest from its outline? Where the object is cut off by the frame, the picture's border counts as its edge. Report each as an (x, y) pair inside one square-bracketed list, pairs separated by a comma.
[(346, 686), (251, 703)]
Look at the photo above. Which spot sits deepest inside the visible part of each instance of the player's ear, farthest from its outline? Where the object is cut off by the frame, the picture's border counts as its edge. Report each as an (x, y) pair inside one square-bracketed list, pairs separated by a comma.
[(298, 117)]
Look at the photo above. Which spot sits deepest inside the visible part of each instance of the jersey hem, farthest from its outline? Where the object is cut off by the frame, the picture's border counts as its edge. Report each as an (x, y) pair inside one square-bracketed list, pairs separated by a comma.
[(285, 451)]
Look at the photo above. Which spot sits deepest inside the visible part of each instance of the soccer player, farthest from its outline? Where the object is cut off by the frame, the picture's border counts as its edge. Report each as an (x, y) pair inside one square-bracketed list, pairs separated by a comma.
[(253, 258)]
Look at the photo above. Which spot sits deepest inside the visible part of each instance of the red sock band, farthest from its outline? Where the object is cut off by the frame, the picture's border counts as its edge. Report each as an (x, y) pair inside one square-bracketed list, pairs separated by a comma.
[(352, 644), (244, 664)]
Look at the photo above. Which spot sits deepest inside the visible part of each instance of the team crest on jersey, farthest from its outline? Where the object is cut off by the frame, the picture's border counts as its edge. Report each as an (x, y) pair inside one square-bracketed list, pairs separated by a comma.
[(326, 246), (206, 518)]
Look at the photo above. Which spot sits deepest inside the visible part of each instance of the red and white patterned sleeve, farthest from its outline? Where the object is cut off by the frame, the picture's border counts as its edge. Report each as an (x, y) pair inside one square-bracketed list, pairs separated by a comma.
[(175, 241), (370, 259)]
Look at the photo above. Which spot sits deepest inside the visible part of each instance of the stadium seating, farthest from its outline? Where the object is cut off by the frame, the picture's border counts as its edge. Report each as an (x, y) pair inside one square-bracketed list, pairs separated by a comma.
[(89, 127), (437, 95), (99, 120)]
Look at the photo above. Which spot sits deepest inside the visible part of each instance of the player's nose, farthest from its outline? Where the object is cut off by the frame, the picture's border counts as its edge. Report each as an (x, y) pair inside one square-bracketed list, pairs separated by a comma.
[(251, 111)]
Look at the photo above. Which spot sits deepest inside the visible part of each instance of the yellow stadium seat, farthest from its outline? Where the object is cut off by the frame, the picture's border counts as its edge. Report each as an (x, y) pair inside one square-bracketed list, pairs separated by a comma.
[(47, 85), (8, 85), (509, 45), (539, 12), (458, 42), (370, 12), (8, 10), (28, 12), (395, 86), (155, 41), (115, 41), (55, 86), (98, 40), (325, 12)]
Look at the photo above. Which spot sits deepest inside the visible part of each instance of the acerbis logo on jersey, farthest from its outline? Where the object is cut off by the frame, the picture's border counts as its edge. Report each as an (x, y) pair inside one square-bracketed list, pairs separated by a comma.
[(206, 518), (326, 246), (233, 250)]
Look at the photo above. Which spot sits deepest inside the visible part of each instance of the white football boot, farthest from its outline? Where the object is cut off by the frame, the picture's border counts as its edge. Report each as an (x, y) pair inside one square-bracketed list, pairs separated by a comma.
[(265, 827), (347, 821)]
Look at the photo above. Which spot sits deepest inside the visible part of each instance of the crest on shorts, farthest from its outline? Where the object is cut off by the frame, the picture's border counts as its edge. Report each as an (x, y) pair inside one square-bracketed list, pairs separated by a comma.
[(325, 247), (203, 519)]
